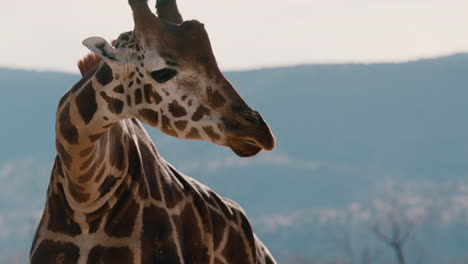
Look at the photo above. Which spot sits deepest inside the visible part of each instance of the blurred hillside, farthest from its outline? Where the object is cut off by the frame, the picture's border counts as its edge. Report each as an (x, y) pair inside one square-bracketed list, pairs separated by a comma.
[(353, 141)]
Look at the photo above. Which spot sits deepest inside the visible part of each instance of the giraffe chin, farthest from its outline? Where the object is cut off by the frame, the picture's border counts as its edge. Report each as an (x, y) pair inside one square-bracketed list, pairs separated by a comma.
[(244, 148)]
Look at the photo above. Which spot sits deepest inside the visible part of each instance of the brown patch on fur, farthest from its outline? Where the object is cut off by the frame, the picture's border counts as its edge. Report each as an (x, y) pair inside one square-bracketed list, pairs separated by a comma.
[(119, 89), (78, 193), (151, 96), (86, 103), (88, 62), (67, 129), (193, 134), (176, 109), (138, 97), (108, 183), (94, 218), (86, 152), (149, 116), (122, 216), (158, 244), (194, 250), (167, 127), (151, 170), (94, 138), (215, 98), (181, 125), (100, 254), (87, 176), (104, 75), (100, 174), (210, 132), (219, 224), (88, 162), (61, 220), (201, 111), (55, 252), (63, 154), (114, 105)]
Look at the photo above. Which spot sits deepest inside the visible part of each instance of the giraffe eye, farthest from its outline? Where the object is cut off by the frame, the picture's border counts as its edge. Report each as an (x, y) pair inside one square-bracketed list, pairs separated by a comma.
[(164, 75)]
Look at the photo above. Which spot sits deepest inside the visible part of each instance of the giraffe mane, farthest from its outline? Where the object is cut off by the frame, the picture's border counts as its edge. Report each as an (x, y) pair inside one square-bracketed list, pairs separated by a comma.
[(88, 62)]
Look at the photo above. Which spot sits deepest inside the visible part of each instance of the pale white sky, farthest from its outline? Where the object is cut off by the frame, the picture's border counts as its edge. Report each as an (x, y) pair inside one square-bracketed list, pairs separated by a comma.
[(245, 33)]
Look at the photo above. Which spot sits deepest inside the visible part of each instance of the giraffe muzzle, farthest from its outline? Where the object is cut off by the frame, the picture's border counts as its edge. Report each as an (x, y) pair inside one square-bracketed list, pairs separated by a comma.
[(249, 135)]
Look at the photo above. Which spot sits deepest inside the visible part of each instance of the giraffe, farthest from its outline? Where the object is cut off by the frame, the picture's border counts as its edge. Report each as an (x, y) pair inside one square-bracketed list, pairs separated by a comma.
[(111, 197)]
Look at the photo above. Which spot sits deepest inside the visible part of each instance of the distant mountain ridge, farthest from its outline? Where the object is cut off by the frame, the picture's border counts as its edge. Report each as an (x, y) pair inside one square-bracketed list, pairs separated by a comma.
[(346, 132)]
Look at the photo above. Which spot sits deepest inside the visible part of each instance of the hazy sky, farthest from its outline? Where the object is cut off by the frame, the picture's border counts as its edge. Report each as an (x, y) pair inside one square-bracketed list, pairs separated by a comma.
[(245, 33)]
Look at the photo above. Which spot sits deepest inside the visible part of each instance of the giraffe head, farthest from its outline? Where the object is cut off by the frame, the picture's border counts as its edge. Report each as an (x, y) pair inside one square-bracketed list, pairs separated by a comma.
[(172, 81)]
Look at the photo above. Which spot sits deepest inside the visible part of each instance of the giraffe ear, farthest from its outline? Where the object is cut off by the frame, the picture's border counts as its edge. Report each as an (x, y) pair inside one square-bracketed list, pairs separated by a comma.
[(103, 49)]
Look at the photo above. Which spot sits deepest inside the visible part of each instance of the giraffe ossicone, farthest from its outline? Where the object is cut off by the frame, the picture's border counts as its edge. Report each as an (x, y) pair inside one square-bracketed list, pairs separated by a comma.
[(112, 198)]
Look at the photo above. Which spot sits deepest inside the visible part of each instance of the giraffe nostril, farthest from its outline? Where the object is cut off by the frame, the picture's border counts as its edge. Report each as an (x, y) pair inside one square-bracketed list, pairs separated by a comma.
[(250, 119), (251, 142)]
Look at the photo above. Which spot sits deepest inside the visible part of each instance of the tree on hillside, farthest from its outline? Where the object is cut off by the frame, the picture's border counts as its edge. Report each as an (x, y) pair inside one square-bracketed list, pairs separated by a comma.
[(394, 230)]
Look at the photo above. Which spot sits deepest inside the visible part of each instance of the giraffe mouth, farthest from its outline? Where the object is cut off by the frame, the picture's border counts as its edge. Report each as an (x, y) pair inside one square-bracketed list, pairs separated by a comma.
[(245, 148)]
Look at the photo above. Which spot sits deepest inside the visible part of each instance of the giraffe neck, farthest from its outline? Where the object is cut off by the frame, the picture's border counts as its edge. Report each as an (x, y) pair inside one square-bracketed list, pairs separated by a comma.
[(113, 212), (154, 215), (91, 129)]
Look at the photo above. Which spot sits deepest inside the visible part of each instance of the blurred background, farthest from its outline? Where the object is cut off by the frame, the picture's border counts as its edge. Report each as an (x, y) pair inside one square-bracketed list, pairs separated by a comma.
[(368, 101)]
